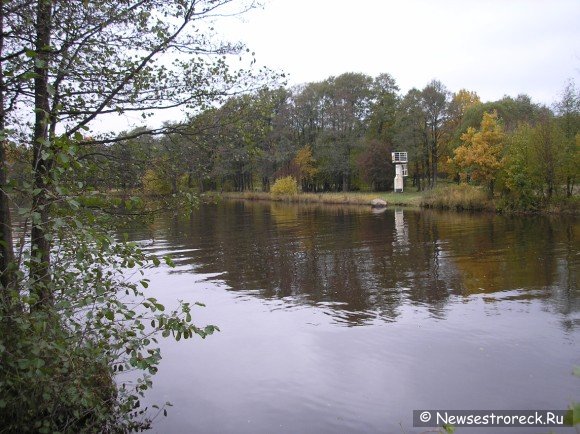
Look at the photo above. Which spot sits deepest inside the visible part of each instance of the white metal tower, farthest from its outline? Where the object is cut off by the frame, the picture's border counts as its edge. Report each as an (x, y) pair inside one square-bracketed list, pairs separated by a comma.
[(400, 161)]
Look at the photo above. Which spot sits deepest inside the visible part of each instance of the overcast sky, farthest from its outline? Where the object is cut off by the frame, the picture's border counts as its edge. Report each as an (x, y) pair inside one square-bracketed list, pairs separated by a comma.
[(494, 47)]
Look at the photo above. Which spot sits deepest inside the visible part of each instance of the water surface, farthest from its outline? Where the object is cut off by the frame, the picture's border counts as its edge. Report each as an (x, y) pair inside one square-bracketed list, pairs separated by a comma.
[(337, 319)]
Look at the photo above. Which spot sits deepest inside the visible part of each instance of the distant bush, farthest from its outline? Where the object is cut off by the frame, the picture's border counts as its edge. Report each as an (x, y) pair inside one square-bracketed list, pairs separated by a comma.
[(285, 186)]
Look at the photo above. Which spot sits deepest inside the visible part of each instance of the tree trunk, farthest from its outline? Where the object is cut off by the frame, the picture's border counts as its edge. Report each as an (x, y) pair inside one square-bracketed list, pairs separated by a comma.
[(40, 246), (427, 171), (6, 244), (417, 176), (434, 159), (491, 188)]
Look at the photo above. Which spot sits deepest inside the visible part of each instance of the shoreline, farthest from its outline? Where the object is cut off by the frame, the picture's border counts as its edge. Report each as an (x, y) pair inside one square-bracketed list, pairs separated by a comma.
[(412, 200), (442, 200)]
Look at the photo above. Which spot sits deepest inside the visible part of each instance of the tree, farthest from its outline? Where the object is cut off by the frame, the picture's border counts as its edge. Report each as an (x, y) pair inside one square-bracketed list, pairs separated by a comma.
[(6, 243), (568, 111), (252, 138), (307, 113), (549, 144), (307, 169), (347, 100), (538, 160), (461, 102), (522, 178), (434, 101), (383, 111), (100, 58), (375, 166), (511, 111), (411, 136), (479, 156)]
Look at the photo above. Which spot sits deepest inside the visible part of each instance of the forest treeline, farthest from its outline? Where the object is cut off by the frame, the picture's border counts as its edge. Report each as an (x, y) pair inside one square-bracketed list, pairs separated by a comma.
[(338, 135)]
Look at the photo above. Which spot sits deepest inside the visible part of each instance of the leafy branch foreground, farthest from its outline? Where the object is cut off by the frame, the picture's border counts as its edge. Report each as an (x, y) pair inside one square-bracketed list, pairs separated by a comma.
[(65, 367), (69, 320)]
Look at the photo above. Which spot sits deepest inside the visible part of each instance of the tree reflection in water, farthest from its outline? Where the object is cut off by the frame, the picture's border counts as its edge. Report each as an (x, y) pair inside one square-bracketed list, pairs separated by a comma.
[(365, 265)]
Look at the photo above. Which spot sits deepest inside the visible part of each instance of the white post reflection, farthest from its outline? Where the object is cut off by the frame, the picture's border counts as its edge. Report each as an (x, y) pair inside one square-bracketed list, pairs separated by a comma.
[(401, 229)]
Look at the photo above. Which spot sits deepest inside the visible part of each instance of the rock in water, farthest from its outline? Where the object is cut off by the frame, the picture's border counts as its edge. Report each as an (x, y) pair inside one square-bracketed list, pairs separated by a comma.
[(378, 203)]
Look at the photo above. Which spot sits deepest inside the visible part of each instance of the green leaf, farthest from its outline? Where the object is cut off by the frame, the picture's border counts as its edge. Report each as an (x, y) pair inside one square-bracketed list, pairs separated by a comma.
[(63, 158), (109, 315), (210, 329), (169, 261)]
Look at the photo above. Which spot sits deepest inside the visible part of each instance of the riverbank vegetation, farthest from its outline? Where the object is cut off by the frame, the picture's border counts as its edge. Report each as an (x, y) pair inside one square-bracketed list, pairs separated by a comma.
[(337, 135), (336, 198)]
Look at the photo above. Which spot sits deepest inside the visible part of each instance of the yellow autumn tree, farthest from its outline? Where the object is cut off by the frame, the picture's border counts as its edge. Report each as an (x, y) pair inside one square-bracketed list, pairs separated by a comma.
[(460, 103), (458, 106), (306, 165), (478, 158)]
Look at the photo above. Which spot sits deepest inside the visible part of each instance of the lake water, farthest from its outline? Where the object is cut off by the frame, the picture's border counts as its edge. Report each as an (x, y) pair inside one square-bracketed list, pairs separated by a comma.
[(341, 320)]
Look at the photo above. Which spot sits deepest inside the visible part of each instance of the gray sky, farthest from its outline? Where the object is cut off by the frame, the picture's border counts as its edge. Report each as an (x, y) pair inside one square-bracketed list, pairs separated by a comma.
[(494, 47)]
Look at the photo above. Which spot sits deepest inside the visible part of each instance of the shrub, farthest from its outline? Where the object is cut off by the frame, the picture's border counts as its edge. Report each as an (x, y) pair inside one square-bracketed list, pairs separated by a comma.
[(59, 360), (285, 186)]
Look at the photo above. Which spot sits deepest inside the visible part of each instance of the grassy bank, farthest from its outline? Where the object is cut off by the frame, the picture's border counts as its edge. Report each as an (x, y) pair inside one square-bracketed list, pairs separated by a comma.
[(455, 197), (461, 197), (446, 196), (392, 199)]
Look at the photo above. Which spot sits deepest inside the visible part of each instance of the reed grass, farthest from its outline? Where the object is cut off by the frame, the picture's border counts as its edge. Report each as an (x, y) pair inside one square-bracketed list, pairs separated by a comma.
[(458, 197)]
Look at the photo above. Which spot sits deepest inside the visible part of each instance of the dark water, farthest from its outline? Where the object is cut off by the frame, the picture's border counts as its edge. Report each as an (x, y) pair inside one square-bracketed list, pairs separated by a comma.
[(337, 319)]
